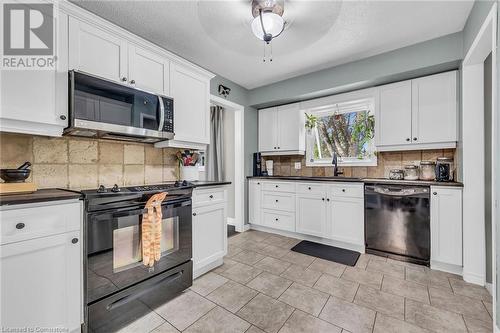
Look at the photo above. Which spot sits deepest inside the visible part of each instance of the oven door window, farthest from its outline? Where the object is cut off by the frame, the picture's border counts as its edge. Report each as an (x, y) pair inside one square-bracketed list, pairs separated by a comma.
[(114, 249), (127, 240)]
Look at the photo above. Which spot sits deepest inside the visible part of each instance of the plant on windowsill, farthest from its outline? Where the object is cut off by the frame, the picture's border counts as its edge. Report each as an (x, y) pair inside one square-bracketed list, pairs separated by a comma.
[(311, 121)]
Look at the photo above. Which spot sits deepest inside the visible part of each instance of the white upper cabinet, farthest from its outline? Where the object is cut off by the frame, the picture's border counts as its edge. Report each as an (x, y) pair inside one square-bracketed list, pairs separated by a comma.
[(148, 70), (394, 114), (191, 93), (268, 136), (434, 108), (418, 114), (446, 226), (97, 51), (36, 101), (281, 130)]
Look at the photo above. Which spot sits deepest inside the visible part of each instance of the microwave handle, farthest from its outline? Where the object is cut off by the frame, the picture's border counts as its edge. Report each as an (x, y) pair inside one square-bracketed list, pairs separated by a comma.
[(162, 113)]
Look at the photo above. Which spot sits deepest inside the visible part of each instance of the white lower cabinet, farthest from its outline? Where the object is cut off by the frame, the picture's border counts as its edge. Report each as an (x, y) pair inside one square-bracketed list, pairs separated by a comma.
[(326, 210), (41, 276), (346, 220), (311, 214), (209, 229), (446, 226)]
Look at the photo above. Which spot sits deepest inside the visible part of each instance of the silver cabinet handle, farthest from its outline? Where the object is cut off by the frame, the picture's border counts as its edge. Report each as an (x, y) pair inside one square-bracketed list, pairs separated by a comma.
[(309, 188), (74, 240), (124, 79), (132, 81), (323, 199), (194, 214), (415, 139), (62, 117), (20, 226), (211, 196), (327, 199), (276, 200), (407, 139), (276, 219), (343, 190), (434, 193)]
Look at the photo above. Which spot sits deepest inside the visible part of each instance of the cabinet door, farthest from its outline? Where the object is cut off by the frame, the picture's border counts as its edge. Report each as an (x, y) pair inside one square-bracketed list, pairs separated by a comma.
[(268, 131), (190, 91), (41, 282), (434, 111), (346, 220), (97, 52), (148, 70), (36, 101), (446, 225), (394, 114), (209, 234), (311, 214), (290, 128), (254, 204)]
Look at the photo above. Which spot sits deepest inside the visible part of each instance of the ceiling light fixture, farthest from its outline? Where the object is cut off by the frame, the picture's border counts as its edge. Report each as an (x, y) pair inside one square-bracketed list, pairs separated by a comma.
[(268, 21)]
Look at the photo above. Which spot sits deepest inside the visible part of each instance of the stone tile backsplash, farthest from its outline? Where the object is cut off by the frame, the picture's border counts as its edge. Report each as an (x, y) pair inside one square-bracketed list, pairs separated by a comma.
[(80, 163), (285, 165)]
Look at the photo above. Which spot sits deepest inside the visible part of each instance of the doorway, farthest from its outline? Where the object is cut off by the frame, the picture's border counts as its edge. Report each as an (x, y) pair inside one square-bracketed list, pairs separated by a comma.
[(233, 160), (480, 160)]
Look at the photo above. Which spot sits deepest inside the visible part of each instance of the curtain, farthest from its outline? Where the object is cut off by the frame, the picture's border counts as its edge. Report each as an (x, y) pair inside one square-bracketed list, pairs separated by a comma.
[(215, 148)]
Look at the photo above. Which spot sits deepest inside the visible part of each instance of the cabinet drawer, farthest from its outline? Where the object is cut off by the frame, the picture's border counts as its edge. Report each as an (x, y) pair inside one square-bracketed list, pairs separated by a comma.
[(311, 188), (278, 186), (33, 222), (346, 190), (278, 220), (209, 196), (279, 201)]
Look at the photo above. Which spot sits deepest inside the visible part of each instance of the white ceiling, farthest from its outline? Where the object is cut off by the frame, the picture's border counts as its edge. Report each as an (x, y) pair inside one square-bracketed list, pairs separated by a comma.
[(217, 36)]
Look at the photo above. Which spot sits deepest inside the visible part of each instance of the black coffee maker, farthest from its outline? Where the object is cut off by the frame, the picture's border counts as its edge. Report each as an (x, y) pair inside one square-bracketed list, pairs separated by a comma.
[(257, 165)]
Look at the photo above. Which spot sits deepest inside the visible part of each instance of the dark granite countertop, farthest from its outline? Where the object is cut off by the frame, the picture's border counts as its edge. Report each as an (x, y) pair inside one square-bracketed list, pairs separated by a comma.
[(203, 183), (360, 180), (38, 196)]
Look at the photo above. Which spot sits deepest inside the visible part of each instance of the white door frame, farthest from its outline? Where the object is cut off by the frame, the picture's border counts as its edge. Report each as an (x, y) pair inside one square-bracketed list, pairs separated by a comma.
[(474, 253), (239, 158)]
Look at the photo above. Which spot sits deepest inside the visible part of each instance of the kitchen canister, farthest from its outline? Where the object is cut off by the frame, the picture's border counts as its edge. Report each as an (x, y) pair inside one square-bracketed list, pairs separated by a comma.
[(427, 170), (444, 169), (397, 174), (411, 172), (190, 173)]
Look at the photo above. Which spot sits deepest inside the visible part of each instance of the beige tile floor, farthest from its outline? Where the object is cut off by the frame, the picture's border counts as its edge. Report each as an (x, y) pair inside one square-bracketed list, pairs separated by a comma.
[(264, 287)]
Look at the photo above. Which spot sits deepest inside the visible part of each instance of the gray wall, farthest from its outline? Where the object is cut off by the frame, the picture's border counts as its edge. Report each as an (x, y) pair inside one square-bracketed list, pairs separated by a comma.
[(476, 18), (239, 95), (440, 54)]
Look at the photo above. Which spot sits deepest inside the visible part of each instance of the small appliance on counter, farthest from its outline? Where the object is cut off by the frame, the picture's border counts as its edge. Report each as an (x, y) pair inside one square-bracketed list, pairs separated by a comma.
[(15, 180), (396, 174), (444, 169), (257, 164), (427, 170), (411, 172), (269, 167)]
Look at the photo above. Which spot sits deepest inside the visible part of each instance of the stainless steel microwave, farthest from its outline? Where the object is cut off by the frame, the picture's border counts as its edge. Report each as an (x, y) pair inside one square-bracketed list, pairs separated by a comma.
[(99, 108)]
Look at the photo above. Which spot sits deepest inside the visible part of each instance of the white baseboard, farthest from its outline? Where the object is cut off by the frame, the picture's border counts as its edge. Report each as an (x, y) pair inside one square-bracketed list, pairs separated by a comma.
[(246, 227), (489, 287), (207, 267), (497, 329), (331, 242), (439, 266), (474, 278)]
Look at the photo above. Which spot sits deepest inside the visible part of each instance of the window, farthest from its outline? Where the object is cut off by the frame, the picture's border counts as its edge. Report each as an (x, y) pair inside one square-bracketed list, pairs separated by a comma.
[(345, 128)]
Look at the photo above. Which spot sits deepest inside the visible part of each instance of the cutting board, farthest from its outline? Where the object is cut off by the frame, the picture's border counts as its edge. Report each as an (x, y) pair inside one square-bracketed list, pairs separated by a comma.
[(13, 188)]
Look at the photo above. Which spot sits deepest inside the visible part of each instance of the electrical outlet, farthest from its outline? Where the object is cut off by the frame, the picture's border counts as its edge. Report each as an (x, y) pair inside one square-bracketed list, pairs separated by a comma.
[(298, 165)]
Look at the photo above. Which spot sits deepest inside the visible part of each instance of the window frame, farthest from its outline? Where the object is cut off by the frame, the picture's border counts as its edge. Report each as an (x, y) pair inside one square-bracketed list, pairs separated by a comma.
[(330, 104)]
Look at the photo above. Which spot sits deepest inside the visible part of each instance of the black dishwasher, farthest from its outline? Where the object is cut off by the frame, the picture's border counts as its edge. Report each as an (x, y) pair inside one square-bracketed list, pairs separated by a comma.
[(397, 222)]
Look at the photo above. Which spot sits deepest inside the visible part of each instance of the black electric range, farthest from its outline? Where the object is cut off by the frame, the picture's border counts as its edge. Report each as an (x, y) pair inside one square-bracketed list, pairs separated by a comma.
[(119, 288)]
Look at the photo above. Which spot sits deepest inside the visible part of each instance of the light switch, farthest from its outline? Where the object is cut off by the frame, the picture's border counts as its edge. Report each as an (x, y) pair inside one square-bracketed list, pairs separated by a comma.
[(298, 165)]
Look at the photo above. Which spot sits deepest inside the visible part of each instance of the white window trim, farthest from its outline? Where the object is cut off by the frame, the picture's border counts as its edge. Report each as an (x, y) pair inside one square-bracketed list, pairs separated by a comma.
[(327, 108)]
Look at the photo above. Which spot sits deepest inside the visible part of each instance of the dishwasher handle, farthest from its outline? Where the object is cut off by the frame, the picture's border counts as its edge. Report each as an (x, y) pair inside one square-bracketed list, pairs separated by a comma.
[(398, 191)]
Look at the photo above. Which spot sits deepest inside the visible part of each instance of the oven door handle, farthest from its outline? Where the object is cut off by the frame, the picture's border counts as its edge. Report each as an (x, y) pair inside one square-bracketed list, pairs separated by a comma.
[(400, 192), (130, 213), (126, 299)]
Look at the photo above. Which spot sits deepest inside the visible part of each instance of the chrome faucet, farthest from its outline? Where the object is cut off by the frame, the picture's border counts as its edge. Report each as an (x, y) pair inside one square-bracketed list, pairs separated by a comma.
[(336, 171)]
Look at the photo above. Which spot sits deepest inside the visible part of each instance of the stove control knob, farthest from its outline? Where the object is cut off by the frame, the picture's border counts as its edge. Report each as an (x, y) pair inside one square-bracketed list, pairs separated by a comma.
[(115, 188), (177, 183), (102, 189), (184, 183)]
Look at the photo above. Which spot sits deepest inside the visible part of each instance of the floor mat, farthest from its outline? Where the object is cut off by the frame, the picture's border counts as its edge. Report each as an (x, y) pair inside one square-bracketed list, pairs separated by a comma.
[(331, 253)]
